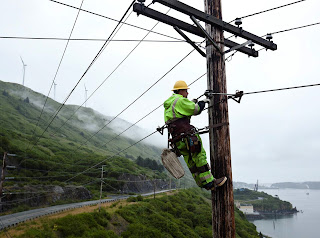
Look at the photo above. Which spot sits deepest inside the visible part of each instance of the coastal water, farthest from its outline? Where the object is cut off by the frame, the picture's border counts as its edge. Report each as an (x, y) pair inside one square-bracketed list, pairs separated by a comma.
[(304, 224)]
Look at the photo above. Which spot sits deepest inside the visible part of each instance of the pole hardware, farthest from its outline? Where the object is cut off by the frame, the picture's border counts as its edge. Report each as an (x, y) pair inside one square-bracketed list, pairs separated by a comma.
[(148, 12), (190, 41), (237, 96), (141, 1), (251, 45), (161, 129), (238, 21), (210, 94), (269, 37), (209, 19), (207, 128), (206, 34), (249, 42)]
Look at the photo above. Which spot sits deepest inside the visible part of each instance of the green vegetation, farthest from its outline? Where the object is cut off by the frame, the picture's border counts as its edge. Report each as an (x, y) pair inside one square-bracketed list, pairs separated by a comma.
[(149, 163), (261, 201), (138, 198), (184, 214), (81, 225), (63, 152)]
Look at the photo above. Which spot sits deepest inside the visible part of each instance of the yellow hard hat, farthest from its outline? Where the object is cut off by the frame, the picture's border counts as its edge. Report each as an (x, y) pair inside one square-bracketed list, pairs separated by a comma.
[(180, 85)]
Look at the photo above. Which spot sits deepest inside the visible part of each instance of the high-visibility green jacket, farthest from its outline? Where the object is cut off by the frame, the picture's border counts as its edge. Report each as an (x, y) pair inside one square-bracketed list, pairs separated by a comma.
[(178, 107)]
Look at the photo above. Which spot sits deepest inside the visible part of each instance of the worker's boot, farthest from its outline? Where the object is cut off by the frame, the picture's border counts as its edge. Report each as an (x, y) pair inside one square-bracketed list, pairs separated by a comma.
[(215, 183)]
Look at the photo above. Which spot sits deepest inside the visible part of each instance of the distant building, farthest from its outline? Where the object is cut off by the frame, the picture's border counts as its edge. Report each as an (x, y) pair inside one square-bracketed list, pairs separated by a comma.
[(247, 209)]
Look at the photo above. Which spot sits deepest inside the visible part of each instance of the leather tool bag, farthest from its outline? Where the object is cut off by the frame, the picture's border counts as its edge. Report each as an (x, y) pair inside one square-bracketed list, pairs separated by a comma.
[(194, 144)]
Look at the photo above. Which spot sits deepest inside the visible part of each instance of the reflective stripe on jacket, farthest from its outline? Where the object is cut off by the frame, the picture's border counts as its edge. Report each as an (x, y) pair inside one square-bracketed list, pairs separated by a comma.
[(178, 107)]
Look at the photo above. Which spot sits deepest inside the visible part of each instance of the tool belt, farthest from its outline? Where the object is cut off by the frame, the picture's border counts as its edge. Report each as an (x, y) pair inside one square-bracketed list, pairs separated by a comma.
[(201, 169), (181, 129)]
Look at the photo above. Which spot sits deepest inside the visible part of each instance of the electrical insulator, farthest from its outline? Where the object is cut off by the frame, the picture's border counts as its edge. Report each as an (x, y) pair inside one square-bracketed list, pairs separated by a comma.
[(238, 21), (251, 45), (269, 37), (141, 1)]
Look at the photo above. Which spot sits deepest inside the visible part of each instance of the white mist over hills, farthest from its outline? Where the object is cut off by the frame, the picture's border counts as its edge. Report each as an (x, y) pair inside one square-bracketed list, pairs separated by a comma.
[(87, 118)]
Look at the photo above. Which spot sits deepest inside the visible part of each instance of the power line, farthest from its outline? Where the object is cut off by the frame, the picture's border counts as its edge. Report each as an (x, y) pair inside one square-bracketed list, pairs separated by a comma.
[(112, 156), (295, 28), (93, 61), (48, 161), (132, 125), (55, 76), (115, 69), (138, 98), (271, 9), (147, 115), (280, 89), (282, 31), (96, 14), (89, 39)]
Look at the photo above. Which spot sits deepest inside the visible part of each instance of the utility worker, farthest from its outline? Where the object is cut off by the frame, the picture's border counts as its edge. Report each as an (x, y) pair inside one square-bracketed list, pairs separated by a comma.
[(185, 139)]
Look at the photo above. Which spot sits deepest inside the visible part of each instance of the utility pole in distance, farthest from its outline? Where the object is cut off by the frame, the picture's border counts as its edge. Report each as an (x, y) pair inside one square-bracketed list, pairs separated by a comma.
[(2, 178), (223, 223), (101, 181)]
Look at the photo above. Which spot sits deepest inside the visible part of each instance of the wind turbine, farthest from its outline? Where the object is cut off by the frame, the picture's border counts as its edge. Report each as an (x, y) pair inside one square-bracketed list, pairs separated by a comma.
[(24, 70), (85, 89), (54, 89)]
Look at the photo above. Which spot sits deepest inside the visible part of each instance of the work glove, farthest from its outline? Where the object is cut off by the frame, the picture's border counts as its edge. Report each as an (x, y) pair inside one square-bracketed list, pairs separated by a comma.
[(201, 105), (194, 100)]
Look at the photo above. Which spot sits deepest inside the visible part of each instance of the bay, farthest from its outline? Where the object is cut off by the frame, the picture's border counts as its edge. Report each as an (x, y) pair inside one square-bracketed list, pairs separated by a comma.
[(304, 224)]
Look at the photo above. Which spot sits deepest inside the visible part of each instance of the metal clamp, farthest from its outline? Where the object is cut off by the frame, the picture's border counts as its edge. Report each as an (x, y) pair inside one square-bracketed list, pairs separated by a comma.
[(237, 95), (161, 129)]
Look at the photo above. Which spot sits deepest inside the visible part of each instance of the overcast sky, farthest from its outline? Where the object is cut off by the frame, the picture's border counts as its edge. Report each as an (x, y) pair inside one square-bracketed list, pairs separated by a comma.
[(274, 136)]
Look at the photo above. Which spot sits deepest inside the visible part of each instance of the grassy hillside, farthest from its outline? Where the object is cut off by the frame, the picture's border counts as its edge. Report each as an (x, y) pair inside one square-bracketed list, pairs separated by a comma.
[(21, 108), (68, 147), (186, 213)]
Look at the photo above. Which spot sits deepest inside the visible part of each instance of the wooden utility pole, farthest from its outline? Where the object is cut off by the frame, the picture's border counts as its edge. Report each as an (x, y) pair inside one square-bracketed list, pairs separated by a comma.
[(223, 224), (220, 156)]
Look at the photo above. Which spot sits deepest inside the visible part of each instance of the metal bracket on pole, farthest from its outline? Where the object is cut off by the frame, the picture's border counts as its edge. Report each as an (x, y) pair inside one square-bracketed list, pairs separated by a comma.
[(189, 41), (148, 12), (237, 95), (206, 34), (238, 46), (209, 19)]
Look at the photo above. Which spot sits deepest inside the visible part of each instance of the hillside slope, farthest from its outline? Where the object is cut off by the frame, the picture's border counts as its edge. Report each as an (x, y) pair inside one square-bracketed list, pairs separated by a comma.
[(183, 213), (68, 153), (21, 108)]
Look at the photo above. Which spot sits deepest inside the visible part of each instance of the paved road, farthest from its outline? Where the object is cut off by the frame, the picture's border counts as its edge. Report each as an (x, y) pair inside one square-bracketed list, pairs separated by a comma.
[(19, 217)]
